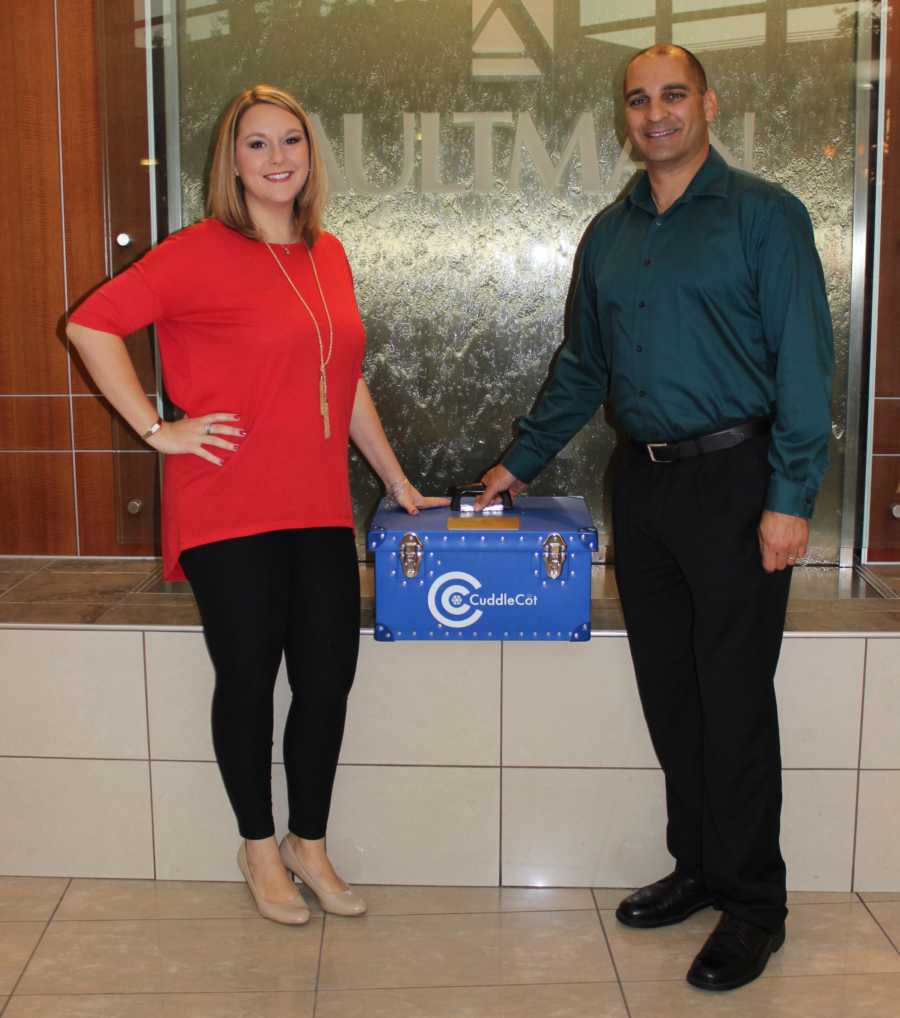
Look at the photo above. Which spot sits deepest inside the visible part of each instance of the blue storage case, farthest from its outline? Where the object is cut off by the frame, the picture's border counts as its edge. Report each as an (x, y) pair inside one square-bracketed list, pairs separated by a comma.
[(520, 574)]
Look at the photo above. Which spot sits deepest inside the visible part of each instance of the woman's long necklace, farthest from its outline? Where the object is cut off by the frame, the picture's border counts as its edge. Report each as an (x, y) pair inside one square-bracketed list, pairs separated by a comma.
[(323, 357)]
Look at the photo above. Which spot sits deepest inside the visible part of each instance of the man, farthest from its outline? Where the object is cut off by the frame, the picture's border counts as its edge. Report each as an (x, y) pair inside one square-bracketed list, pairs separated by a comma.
[(700, 313)]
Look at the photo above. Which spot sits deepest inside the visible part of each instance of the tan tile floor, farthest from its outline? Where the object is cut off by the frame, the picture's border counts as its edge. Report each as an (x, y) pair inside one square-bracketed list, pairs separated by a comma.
[(139, 949)]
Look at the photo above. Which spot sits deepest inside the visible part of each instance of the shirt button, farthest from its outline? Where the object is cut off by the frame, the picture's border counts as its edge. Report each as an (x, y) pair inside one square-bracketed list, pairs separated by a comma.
[(639, 349), (646, 262), (642, 304)]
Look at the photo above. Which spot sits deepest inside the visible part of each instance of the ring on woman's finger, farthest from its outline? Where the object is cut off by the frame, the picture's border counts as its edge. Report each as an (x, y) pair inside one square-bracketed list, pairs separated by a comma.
[(207, 429)]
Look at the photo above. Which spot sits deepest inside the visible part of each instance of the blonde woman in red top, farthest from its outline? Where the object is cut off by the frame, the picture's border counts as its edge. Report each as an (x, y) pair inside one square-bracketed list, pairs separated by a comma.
[(261, 345)]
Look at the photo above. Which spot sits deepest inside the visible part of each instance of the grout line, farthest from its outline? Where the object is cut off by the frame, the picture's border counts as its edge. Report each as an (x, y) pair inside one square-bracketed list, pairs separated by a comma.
[(65, 270), (612, 957), (319, 965), (500, 778), (862, 718), (233, 917), (149, 756), (420, 766), (34, 951), (875, 919), (25, 576)]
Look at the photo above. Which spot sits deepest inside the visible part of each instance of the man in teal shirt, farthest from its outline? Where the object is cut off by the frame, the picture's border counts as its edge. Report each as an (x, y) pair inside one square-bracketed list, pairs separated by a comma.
[(700, 315)]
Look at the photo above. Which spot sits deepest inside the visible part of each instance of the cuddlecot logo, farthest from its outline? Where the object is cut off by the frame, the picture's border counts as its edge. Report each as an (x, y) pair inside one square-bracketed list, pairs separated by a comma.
[(454, 600)]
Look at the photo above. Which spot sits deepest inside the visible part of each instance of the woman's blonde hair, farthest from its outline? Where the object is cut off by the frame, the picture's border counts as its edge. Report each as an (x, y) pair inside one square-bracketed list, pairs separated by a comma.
[(226, 201)]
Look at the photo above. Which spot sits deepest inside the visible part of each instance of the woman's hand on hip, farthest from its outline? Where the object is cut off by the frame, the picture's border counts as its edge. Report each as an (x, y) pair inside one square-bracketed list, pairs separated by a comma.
[(192, 435)]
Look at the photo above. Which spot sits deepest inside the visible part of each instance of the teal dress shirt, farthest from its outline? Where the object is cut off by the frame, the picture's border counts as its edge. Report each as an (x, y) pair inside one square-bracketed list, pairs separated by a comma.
[(690, 321)]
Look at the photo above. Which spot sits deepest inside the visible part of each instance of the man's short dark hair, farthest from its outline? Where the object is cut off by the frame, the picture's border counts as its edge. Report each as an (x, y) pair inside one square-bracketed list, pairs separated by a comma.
[(668, 49)]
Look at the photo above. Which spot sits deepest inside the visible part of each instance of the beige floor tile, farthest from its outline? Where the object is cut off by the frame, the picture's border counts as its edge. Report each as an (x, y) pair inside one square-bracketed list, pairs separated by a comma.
[(839, 939), (820, 897), (155, 899), (609, 897), (880, 895), (888, 915), (502, 949), (169, 1005), (177, 956), (385, 900), (29, 899), (17, 941), (829, 939), (665, 953), (803, 997), (600, 1000)]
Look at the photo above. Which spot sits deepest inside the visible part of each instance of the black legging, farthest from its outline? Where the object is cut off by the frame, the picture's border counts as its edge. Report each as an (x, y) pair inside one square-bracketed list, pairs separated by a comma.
[(291, 591)]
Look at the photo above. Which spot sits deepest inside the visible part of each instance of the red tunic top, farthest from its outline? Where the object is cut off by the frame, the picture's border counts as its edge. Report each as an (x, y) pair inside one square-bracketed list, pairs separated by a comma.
[(234, 338)]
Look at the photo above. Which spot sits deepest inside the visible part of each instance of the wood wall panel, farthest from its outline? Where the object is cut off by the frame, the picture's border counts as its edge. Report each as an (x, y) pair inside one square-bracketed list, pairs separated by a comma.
[(35, 422), (38, 515), (32, 352), (98, 426), (884, 529), (886, 429), (106, 483), (82, 148)]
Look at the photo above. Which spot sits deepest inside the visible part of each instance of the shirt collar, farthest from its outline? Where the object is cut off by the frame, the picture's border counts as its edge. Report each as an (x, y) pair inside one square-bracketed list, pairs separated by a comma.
[(711, 180)]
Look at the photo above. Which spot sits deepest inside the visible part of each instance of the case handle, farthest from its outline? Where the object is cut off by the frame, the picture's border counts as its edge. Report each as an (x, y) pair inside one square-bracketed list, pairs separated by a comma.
[(458, 491)]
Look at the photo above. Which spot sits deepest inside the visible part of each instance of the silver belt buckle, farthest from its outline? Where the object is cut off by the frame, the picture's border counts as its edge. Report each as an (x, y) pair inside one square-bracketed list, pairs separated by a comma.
[(655, 445)]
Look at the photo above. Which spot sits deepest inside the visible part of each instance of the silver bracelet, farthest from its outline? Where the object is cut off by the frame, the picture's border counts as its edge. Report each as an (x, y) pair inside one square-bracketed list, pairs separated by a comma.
[(152, 430)]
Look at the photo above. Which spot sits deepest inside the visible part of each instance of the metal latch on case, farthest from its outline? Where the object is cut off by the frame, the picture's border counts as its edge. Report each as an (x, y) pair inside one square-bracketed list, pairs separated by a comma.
[(410, 555), (554, 555)]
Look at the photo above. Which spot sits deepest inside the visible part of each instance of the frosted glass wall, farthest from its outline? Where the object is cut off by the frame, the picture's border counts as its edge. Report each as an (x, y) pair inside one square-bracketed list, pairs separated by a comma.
[(469, 144)]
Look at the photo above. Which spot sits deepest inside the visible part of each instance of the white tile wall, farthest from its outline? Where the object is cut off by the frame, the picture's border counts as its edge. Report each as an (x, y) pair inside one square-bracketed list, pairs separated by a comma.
[(600, 828), (819, 688), (75, 818), (179, 695), (817, 829), (881, 719), (413, 703), (418, 795), (70, 693), (196, 833), (878, 832), (416, 825), (573, 705)]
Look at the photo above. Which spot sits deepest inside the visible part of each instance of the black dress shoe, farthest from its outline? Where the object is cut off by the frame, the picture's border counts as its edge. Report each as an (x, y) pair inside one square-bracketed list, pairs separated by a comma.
[(668, 901), (735, 953)]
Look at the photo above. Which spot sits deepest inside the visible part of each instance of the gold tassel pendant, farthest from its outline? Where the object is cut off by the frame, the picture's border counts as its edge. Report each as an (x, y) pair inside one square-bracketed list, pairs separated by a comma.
[(323, 406)]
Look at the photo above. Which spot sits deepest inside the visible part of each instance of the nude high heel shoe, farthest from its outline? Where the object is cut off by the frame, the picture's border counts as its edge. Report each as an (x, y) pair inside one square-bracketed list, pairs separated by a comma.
[(347, 902), (292, 913)]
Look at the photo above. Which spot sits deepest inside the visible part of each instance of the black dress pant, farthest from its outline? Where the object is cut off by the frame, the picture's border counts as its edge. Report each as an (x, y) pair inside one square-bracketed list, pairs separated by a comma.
[(294, 592), (705, 623)]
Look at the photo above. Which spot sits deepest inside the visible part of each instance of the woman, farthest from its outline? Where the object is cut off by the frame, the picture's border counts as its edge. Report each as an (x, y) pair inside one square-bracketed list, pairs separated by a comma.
[(261, 344)]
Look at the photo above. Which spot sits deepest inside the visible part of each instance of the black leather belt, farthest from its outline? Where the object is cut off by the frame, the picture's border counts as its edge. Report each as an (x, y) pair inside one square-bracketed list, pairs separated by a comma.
[(669, 452)]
